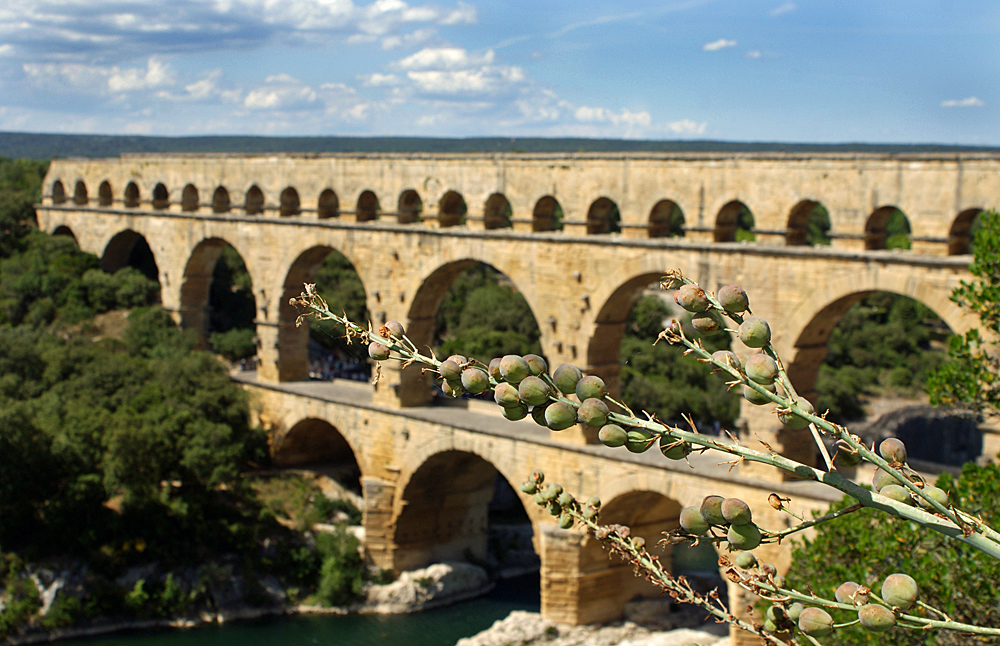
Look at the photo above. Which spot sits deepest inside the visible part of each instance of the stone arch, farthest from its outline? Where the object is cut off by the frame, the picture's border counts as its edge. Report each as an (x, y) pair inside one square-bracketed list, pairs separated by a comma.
[(80, 193), (253, 203), (497, 213), (197, 283), (797, 233), (733, 217), (293, 340), (63, 230), (960, 235), (368, 207), (603, 217), (132, 195), (290, 204), (328, 206), (447, 518), (410, 207), (130, 249), (313, 440), (189, 198), (220, 200), (58, 192), (452, 209), (547, 215), (666, 220), (877, 228), (104, 195), (161, 196)]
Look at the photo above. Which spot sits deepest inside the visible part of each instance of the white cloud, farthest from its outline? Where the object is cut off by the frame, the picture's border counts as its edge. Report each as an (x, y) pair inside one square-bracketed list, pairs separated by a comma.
[(377, 80), (969, 102), (280, 92), (485, 79), (157, 74), (781, 10), (413, 39), (626, 117), (753, 53), (687, 127), (443, 57), (716, 45)]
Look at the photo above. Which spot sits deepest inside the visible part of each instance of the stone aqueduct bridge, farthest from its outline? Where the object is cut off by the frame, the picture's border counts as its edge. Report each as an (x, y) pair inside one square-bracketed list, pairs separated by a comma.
[(411, 223)]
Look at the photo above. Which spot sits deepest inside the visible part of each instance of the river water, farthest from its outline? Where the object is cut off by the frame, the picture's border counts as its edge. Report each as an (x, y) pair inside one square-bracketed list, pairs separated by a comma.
[(440, 627)]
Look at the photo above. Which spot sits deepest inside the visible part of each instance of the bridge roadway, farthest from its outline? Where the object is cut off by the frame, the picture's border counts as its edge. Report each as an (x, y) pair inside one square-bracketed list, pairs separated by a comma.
[(428, 474)]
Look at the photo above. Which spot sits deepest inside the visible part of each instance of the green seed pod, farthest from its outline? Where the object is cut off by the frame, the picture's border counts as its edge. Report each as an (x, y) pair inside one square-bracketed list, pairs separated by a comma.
[(711, 509), (746, 560), (458, 359), (638, 542), (533, 391), (726, 357), (529, 487), (514, 369), (761, 368), (475, 380), (549, 493), (708, 323), (565, 521), (776, 613), (795, 610), (515, 413), (899, 591), (590, 513), (638, 440), (559, 416), (779, 581), (893, 450), (815, 622), (393, 329), (555, 508), (733, 298), (769, 625), (452, 388), (768, 569), (538, 414), (692, 298), (876, 618), (736, 512), (494, 369), (881, 479), (536, 364), (593, 412), (540, 499), (377, 351), (612, 435), (743, 537), (589, 387), (555, 488), (755, 397), (755, 332), (693, 522), (674, 449), (896, 492), (847, 592), (594, 502), (450, 370), (935, 494), (793, 420), (506, 395), (566, 499), (538, 476), (565, 378), (846, 456)]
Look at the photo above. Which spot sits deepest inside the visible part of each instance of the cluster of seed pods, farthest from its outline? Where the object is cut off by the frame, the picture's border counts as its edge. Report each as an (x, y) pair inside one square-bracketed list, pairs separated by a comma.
[(558, 502), (731, 515), (894, 452)]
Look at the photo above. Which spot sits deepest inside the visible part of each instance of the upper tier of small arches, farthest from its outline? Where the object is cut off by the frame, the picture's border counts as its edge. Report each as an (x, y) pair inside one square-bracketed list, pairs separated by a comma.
[(807, 223)]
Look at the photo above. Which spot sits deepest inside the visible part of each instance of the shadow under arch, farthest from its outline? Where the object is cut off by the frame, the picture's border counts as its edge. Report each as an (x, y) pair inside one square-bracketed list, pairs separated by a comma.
[(220, 200), (368, 207), (58, 192), (603, 217), (63, 230), (803, 214), (666, 220), (253, 203), (450, 518), (197, 283), (293, 340), (130, 249), (734, 217), (328, 205), (80, 193), (884, 225), (410, 207), (547, 215), (132, 196), (290, 204), (314, 441), (961, 234), (104, 194), (452, 209), (161, 196), (497, 213), (190, 198)]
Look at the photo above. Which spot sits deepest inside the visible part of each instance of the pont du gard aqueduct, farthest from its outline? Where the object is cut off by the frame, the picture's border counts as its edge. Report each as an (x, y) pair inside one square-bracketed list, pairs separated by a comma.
[(581, 236)]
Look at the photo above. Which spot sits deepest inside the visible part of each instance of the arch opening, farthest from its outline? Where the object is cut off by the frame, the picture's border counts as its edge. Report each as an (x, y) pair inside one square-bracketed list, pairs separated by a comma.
[(666, 220), (452, 210), (497, 213), (963, 232), (58, 192), (161, 197), (473, 514), (318, 349), (254, 201), (130, 249), (547, 215), (317, 443), (220, 200), (104, 196), (808, 224), (368, 207), (189, 198), (410, 207), (328, 205), (131, 195), (290, 202), (80, 193), (603, 217), (734, 223), (63, 230), (887, 228)]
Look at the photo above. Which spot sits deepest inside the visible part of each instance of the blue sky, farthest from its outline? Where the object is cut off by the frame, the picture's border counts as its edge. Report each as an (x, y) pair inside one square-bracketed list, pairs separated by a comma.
[(796, 71)]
